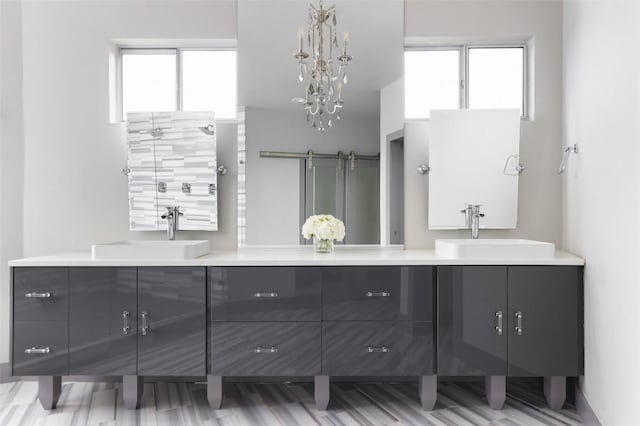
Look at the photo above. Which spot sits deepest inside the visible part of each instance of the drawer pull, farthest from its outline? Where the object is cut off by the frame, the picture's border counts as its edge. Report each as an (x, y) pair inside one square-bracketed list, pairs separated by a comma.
[(518, 326), (378, 349), (125, 322), (38, 295), (265, 294), (269, 350), (145, 323), (498, 326), (36, 350), (378, 294)]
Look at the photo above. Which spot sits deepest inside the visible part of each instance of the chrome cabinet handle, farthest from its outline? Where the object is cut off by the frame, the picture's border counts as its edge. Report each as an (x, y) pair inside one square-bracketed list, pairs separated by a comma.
[(38, 295), (265, 294), (263, 350), (378, 349), (498, 326), (36, 350), (518, 326), (125, 322), (378, 294), (145, 323)]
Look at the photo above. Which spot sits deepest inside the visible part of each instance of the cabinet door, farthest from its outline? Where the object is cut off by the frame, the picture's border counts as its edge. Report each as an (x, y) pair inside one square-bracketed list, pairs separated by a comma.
[(272, 293), (377, 293), (172, 307), (102, 321), (548, 300), (470, 300)]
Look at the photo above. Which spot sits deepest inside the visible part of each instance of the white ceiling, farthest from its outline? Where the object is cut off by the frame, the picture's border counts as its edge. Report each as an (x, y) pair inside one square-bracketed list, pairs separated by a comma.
[(267, 40)]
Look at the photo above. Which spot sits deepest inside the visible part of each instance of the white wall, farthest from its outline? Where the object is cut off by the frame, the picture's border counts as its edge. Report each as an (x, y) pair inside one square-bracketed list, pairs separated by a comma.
[(11, 156), (602, 195), (273, 184), (74, 191), (540, 188)]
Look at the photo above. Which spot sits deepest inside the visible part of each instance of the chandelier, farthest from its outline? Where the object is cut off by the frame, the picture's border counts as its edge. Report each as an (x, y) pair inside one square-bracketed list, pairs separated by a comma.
[(322, 82)]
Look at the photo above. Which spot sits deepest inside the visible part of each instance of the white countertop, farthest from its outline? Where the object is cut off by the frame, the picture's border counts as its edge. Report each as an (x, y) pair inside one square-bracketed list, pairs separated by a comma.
[(298, 256)]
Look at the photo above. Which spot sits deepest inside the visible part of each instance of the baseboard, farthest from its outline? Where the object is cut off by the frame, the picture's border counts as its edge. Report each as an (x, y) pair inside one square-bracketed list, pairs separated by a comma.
[(5, 373), (584, 410)]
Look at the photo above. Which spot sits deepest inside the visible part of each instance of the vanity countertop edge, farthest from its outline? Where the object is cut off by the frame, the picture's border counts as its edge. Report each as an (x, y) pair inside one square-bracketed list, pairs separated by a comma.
[(303, 256)]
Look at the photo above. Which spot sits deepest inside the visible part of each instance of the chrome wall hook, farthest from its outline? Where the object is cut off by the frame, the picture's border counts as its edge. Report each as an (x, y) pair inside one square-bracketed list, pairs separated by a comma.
[(222, 170), (423, 169), (573, 149)]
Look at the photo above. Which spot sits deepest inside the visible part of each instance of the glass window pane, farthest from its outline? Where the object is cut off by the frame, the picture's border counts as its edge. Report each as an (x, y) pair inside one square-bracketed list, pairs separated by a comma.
[(432, 81), (209, 82), (148, 82), (496, 77)]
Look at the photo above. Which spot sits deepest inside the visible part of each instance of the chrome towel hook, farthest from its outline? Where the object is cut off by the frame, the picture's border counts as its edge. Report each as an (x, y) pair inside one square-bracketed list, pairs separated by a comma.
[(573, 149)]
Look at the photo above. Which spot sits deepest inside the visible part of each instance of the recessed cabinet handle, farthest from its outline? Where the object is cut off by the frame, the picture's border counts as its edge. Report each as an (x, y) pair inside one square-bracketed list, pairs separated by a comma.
[(125, 322), (37, 351), (378, 294), (38, 295), (378, 349), (518, 326), (498, 327), (265, 294), (263, 350), (145, 323)]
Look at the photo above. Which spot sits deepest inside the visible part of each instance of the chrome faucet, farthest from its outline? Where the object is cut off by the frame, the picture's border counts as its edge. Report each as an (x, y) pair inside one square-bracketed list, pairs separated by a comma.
[(172, 215), (472, 219)]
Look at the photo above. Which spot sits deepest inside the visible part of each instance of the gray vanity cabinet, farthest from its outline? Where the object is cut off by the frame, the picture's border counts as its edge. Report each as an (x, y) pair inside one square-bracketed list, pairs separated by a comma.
[(102, 321), (40, 321), (510, 321), (545, 321), (270, 293), (472, 301), (378, 293), (172, 337)]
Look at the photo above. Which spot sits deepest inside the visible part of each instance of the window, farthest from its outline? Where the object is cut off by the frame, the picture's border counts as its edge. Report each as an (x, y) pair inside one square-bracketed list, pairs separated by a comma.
[(465, 77), (178, 80)]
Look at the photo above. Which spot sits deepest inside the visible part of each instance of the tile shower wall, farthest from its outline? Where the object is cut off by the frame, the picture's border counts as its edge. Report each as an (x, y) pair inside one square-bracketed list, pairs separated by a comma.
[(169, 151)]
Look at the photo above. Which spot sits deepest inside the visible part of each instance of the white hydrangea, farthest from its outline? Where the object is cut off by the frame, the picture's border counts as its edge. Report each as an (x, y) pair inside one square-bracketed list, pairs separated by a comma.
[(323, 226)]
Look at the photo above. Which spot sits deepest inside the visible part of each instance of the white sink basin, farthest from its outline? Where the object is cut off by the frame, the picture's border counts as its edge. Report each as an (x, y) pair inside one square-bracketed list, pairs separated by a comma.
[(494, 248), (173, 250)]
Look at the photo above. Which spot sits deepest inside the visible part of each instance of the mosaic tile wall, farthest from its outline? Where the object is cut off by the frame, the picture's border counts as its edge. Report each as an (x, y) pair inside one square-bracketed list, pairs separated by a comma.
[(166, 151), (242, 179)]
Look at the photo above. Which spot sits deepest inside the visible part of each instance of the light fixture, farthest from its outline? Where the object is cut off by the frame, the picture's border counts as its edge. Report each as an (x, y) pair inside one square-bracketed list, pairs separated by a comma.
[(323, 83)]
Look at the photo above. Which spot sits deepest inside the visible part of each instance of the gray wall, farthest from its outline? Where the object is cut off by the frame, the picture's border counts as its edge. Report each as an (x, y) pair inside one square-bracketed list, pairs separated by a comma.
[(273, 190), (11, 155), (602, 201), (540, 188)]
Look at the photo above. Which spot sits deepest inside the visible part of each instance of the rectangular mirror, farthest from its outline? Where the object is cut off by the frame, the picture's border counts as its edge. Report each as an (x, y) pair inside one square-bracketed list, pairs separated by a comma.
[(473, 155), (172, 162)]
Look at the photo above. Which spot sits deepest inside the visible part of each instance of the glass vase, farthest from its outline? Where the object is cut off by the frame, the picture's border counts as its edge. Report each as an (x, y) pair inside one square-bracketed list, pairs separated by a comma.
[(323, 246)]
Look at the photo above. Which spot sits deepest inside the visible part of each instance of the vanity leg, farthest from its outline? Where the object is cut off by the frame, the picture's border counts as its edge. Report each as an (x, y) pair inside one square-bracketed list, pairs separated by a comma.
[(49, 388), (428, 390), (321, 392), (132, 391), (495, 388), (555, 391), (214, 391)]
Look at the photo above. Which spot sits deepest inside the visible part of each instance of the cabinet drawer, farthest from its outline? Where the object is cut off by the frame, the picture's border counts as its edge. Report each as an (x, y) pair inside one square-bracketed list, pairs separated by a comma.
[(40, 294), (270, 349), (377, 348), (48, 344), (385, 293), (265, 293)]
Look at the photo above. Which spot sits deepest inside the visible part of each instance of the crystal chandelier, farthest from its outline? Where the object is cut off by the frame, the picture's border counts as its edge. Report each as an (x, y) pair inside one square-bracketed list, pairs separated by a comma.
[(323, 83)]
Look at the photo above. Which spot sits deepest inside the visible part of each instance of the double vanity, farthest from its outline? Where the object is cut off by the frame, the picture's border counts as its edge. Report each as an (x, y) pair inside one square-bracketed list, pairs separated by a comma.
[(374, 313)]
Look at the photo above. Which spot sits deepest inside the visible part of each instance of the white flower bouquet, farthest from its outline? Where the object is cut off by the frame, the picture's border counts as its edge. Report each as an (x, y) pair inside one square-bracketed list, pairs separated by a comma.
[(324, 229)]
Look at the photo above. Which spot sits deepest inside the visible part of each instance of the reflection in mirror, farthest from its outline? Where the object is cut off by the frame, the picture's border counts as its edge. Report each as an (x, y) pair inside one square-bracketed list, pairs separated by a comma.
[(473, 155), (280, 192)]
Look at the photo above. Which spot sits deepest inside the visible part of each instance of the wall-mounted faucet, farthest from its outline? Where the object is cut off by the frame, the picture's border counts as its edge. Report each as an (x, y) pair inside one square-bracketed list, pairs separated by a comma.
[(172, 215), (472, 219)]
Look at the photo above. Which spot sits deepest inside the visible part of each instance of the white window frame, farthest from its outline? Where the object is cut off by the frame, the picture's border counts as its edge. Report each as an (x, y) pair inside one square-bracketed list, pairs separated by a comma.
[(122, 50), (463, 56)]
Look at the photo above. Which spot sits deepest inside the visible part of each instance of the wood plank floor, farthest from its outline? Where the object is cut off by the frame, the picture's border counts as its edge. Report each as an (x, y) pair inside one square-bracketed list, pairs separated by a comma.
[(175, 404)]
